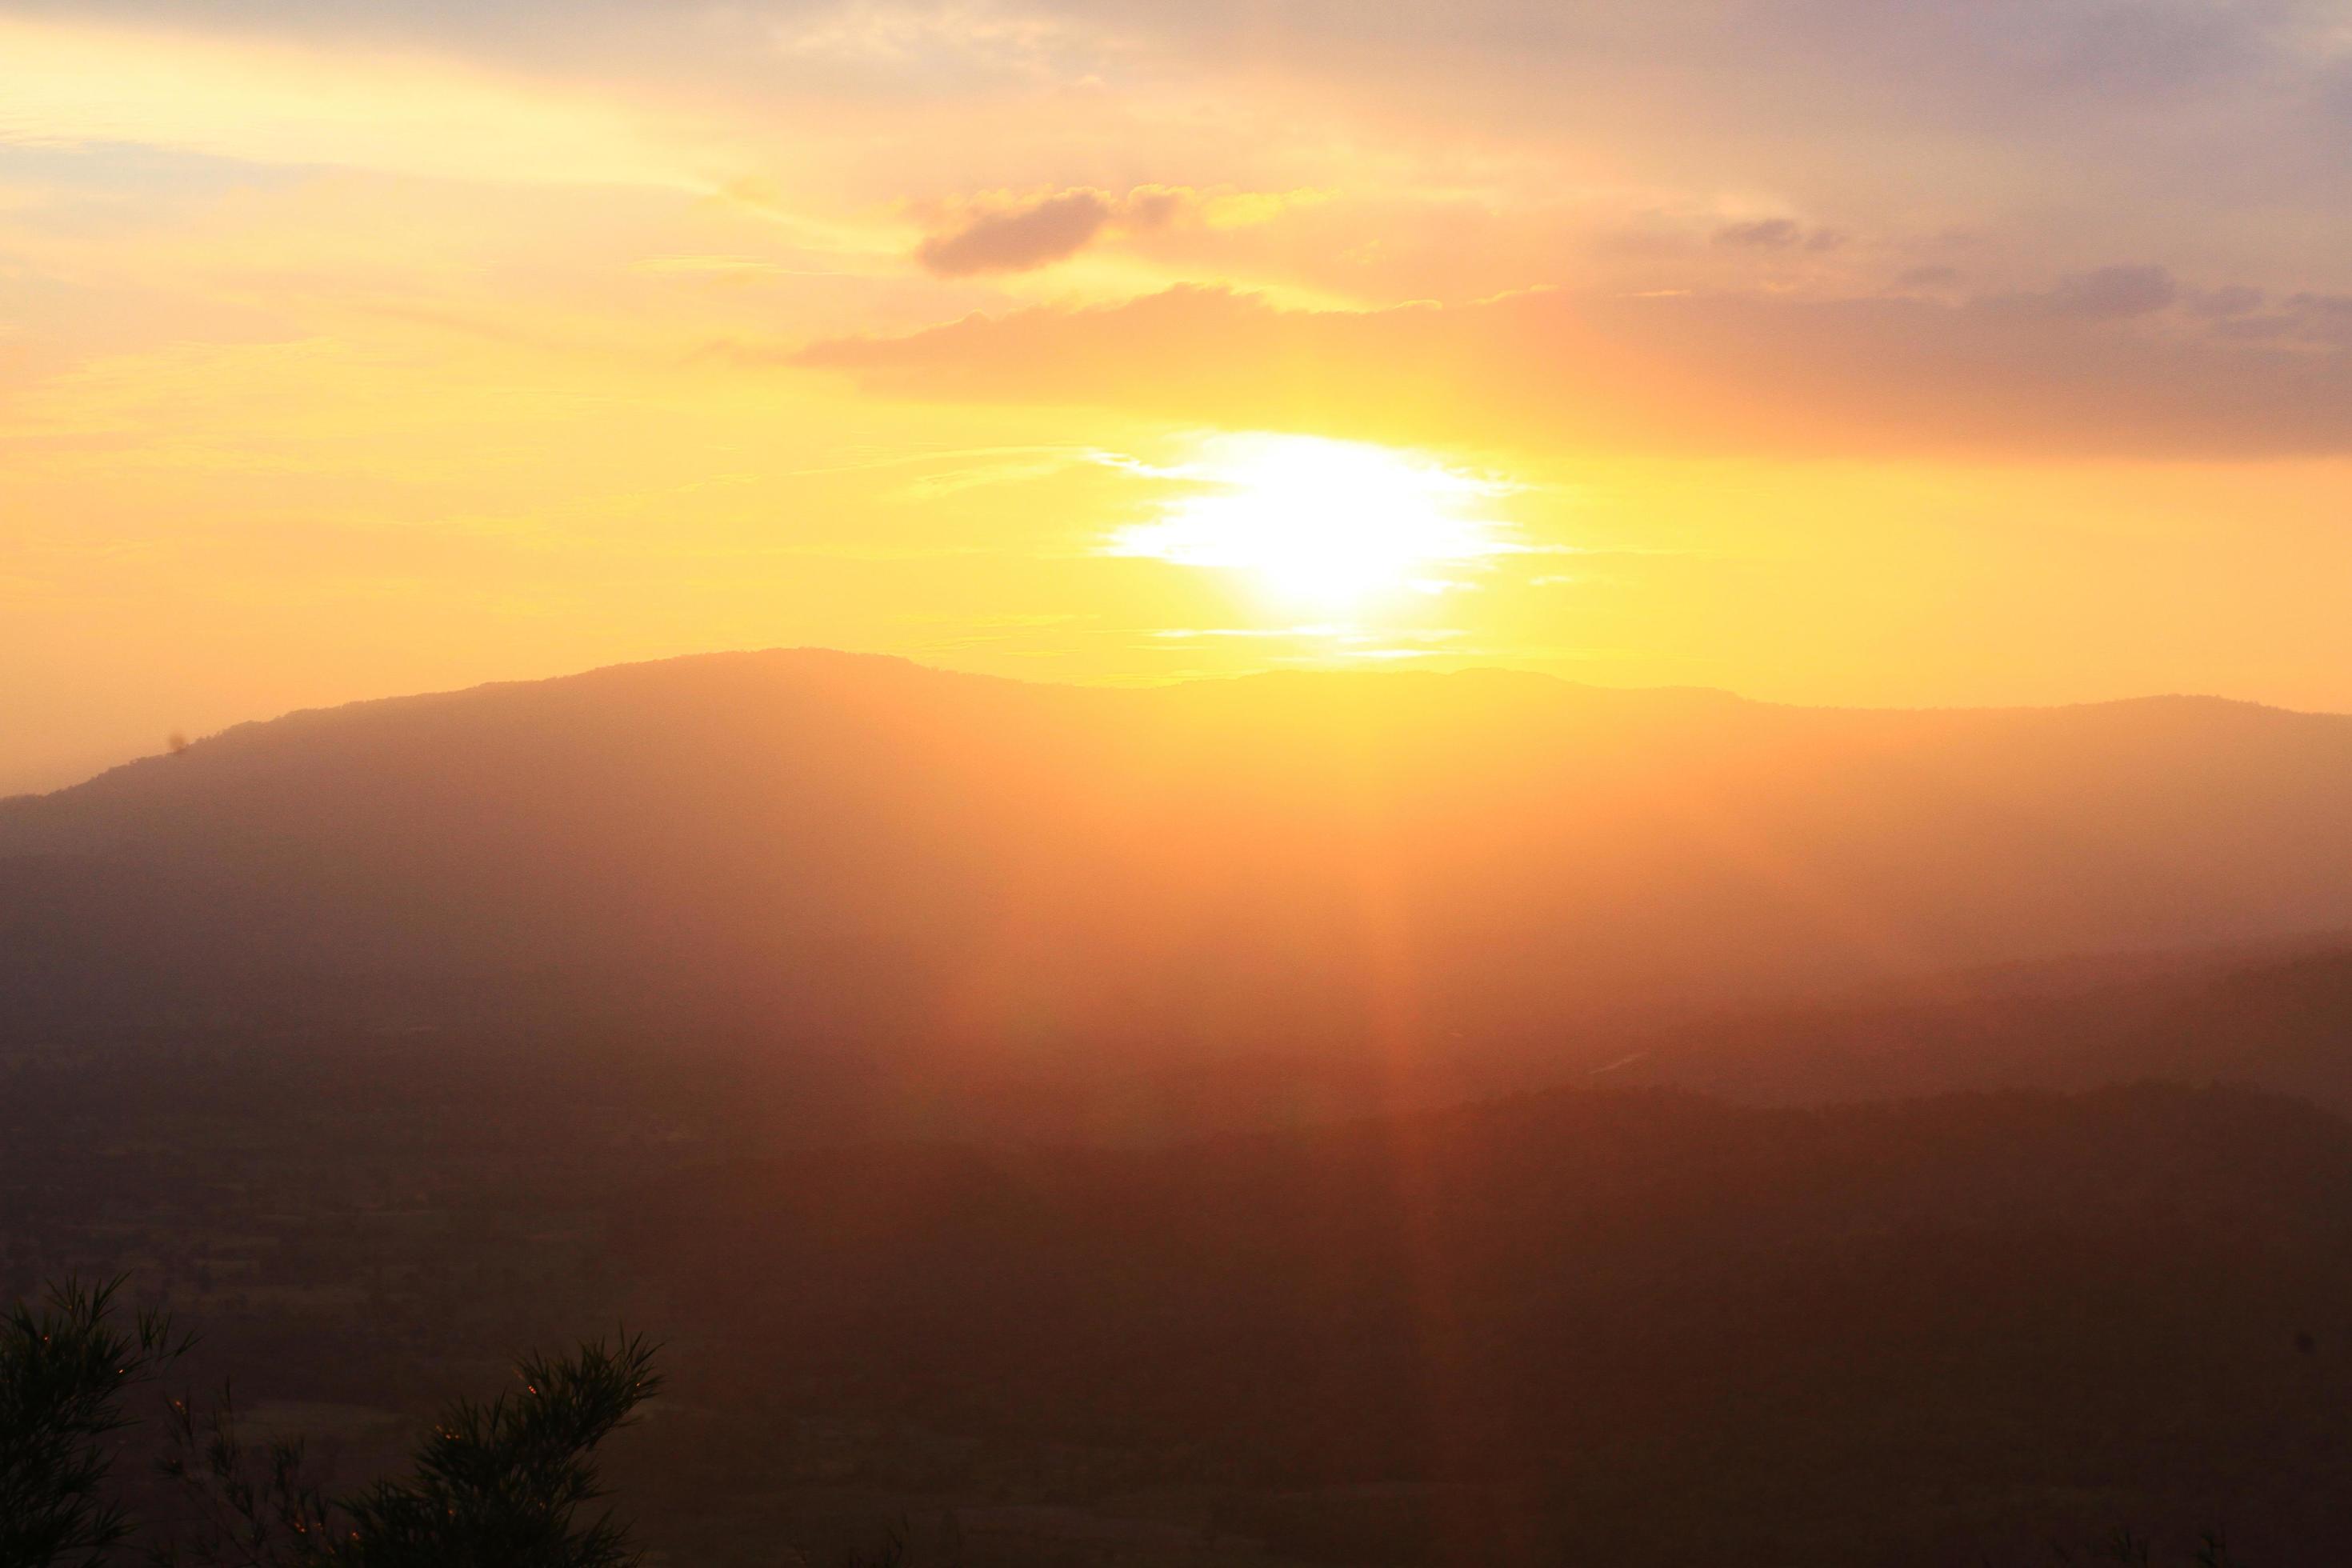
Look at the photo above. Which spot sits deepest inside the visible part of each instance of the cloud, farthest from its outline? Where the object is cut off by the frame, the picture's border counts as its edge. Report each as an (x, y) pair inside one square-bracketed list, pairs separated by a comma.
[(2299, 318), (2087, 369), (1017, 239), (1021, 236), (1866, 117), (275, 103), (2108, 294), (1776, 233), (1765, 234), (1930, 275), (2236, 299)]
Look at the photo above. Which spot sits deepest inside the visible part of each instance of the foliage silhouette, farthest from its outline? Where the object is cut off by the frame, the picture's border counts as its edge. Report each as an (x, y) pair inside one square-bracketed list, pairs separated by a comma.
[(65, 1369), (502, 1483), (496, 1484)]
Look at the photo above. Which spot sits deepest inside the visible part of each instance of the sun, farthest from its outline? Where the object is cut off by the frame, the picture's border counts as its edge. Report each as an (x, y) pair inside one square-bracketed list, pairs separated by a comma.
[(1320, 521)]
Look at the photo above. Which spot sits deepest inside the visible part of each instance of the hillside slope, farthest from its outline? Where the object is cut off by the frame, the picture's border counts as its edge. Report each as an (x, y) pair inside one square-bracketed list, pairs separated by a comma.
[(824, 844)]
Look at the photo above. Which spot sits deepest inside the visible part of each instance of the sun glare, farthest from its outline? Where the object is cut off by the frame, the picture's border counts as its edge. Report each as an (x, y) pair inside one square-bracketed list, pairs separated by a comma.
[(1323, 522)]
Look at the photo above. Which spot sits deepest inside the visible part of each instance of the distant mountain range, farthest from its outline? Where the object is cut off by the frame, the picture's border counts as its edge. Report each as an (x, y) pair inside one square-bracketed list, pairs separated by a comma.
[(815, 844)]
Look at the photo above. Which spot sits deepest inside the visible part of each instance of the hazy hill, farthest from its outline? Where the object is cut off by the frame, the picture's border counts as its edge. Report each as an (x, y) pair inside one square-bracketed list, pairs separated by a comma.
[(2283, 1022), (812, 843), (1623, 1327)]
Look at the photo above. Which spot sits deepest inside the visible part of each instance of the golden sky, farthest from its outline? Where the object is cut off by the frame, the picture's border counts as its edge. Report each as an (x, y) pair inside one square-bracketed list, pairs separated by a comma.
[(1827, 351)]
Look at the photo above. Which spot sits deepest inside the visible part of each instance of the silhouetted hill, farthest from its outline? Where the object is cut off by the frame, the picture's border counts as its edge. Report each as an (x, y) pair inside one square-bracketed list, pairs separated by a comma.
[(1640, 1326), (818, 845)]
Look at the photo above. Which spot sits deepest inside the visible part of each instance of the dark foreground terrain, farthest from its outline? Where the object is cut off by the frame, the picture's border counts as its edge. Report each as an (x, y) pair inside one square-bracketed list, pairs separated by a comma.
[(1622, 1325)]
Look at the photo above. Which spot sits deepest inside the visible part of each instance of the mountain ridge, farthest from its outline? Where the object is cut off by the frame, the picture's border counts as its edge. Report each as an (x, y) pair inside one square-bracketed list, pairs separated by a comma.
[(873, 846), (813, 652)]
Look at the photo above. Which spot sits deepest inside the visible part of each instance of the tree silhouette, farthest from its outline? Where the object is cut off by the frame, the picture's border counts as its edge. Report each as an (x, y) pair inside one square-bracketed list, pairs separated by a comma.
[(504, 1483), (498, 1484), (65, 1369)]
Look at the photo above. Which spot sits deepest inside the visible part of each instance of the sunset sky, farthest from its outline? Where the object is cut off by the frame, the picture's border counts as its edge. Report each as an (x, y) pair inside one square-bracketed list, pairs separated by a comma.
[(1879, 352)]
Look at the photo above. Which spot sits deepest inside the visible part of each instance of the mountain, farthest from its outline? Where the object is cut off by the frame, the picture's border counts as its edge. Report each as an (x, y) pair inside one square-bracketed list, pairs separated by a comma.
[(817, 846), (1630, 1327)]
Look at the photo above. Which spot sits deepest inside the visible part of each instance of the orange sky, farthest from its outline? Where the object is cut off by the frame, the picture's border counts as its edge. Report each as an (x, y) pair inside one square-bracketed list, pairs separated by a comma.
[(1829, 351)]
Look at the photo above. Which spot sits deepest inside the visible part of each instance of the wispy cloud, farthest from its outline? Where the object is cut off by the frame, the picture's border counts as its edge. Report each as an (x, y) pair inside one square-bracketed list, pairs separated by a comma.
[(2097, 364), (288, 103)]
